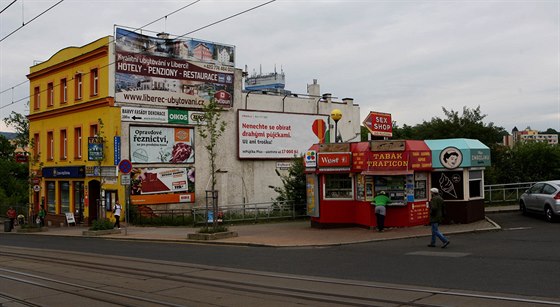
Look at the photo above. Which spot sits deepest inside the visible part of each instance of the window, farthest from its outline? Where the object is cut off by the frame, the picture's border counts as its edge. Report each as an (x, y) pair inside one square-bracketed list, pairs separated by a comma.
[(37, 98), (36, 145), (420, 186), (78, 143), (63, 91), (63, 144), (64, 192), (94, 82), (50, 196), (50, 146), (475, 184), (78, 86), (93, 130), (338, 186), (50, 95)]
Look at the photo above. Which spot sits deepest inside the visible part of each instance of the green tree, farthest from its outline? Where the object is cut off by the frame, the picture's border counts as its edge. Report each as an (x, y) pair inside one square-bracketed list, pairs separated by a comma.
[(6, 149), (21, 125), (293, 184), (211, 131)]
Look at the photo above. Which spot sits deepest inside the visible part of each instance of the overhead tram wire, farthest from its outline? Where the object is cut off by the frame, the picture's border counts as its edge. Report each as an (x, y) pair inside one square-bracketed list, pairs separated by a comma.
[(26, 23), (8, 6), (56, 85), (201, 28)]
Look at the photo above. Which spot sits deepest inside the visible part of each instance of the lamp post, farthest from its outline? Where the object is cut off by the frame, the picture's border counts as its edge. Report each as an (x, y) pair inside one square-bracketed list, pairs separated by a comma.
[(336, 115)]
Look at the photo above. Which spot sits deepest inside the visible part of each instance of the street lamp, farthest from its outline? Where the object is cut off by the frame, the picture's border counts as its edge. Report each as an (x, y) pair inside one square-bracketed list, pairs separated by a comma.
[(336, 115)]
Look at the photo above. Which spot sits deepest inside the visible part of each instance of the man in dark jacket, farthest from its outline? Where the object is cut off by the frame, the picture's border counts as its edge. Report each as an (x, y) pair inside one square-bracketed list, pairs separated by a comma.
[(436, 217)]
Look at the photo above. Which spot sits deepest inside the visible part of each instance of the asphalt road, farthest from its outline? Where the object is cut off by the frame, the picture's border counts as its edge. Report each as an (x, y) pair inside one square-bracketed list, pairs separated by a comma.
[(522, 258)]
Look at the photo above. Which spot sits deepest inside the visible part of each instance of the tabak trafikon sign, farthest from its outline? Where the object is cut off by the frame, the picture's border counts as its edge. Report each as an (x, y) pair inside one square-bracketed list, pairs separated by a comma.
[(172, 72)]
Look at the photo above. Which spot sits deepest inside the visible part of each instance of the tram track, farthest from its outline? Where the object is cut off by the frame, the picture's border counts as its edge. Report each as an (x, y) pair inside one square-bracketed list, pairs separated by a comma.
[(304, 290)]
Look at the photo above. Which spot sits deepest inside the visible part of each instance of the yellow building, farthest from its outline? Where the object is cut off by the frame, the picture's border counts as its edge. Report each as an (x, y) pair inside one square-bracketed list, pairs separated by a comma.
[(70, 107)]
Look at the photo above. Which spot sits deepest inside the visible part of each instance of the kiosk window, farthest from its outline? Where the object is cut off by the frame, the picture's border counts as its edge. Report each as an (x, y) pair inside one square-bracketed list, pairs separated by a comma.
[(338, 186), (475, 184)]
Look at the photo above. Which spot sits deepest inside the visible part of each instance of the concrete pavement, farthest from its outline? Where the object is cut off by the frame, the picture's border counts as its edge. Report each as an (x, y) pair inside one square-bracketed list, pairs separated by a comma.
[(283, 234)]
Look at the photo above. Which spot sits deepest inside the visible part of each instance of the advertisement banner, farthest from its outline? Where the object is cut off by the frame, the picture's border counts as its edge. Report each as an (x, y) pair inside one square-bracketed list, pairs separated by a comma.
[(269, 135), (161, 145), (162, 185), (172, 72), (95, 148), (379, 124)]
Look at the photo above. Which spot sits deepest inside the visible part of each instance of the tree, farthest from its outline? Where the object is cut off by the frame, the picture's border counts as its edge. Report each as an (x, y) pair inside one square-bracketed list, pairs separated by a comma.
[(21, 124), (211, 131), (293, 184)]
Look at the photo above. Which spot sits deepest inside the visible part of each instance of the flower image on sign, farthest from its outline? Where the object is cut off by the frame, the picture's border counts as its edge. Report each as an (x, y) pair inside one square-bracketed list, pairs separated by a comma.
[(161, 145)]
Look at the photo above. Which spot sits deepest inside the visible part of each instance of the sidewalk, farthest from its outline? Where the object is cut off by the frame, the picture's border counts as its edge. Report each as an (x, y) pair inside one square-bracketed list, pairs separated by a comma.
[(284, 234)]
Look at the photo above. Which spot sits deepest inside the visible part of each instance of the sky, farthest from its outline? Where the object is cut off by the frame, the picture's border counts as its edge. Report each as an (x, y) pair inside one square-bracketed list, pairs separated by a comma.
[(406, 58)]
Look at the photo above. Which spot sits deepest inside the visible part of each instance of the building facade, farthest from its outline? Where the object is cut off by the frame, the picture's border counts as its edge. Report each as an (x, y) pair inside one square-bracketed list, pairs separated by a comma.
[(135, 99)]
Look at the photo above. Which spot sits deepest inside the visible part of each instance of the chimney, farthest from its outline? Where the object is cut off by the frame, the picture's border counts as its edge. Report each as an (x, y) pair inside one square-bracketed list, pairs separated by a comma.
[(348, 101), (327, 97)]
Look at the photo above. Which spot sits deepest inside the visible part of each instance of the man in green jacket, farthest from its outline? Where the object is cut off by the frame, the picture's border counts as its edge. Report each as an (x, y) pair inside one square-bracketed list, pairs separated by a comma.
[(380, 201), (436, 217)]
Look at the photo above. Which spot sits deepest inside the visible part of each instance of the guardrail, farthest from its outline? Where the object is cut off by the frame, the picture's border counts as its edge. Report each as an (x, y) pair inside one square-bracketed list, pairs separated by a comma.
[(509, 192)]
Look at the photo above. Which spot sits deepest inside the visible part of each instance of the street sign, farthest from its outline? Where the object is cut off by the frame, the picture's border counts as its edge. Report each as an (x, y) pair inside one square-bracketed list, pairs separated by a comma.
[(125, 179), (150, 115), (379, 124), (125, 166), (36, 188)]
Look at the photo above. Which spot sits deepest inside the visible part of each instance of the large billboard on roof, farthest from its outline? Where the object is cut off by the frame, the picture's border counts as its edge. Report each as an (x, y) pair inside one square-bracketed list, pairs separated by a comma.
[(184, 73)]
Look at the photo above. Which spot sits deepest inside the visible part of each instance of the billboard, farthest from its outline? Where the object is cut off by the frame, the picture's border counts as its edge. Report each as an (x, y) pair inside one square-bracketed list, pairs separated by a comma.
[(161, 144), (269, 135), (162, 185), (172, 72)]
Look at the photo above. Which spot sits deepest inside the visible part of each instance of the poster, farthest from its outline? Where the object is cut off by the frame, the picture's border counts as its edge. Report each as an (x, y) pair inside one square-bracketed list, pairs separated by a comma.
[(162, 185), (161, 145)]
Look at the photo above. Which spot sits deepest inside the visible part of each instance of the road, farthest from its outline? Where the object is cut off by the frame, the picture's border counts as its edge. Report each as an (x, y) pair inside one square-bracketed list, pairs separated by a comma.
[(521, 259)]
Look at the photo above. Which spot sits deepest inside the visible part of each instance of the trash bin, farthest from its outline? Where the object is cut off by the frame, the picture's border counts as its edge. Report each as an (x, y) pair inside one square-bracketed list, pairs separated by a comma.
[(7, 225)]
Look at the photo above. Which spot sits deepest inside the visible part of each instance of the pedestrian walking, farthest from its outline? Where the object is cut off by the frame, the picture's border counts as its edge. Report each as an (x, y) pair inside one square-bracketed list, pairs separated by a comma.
[(117, 213), (436, 217), (380, 201), (12, 214)]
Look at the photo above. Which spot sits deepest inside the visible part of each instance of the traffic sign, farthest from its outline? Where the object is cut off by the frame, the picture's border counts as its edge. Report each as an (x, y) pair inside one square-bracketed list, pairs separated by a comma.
[(125, 179), (125, 166)]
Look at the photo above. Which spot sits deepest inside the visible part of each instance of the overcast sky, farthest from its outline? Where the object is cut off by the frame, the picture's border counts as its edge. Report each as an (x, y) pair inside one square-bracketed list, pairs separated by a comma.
[(407, 58)]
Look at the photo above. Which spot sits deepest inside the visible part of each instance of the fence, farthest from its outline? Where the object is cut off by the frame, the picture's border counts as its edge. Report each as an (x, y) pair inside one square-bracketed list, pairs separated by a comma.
[(504, 193), (235, 213)]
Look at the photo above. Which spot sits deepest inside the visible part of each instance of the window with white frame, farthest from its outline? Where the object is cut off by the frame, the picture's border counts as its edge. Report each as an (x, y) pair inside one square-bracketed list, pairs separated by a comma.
[(338, 186), (476, 189)]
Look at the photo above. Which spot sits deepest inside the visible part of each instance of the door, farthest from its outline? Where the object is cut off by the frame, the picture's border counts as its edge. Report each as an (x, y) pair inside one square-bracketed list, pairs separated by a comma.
[(94, 189)]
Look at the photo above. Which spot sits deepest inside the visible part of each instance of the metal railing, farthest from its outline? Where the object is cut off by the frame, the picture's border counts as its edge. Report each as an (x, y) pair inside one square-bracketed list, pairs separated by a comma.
[(233, 213), (509, 192)]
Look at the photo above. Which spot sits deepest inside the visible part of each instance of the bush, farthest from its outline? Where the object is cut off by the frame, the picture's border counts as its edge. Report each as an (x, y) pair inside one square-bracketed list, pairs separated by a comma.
[(210, 229), (103, 224)]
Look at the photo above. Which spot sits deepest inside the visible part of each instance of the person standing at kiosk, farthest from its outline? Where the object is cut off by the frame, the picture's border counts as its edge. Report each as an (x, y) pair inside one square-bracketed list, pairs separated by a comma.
[(380, 201)]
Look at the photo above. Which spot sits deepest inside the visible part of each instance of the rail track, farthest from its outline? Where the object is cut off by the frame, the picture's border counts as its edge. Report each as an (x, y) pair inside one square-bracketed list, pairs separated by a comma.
[(73, 279)]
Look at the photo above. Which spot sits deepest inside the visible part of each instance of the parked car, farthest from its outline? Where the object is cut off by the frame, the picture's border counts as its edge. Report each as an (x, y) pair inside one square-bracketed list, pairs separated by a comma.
[(544, 198)]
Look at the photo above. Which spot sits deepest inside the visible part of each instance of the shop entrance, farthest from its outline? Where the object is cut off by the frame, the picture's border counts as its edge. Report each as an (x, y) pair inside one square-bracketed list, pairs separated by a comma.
[(94, 189)]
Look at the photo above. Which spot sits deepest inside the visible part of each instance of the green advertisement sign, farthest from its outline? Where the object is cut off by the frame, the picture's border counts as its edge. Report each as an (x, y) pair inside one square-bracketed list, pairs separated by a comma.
[(177, 116)]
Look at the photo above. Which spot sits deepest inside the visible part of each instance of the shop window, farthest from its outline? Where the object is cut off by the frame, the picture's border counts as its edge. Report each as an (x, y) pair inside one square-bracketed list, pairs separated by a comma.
[(78, 143), (394, 186), (63, 91), (475, 184), (51, 196), (420, 186), (338, 186), (64, 190), (50, 94)]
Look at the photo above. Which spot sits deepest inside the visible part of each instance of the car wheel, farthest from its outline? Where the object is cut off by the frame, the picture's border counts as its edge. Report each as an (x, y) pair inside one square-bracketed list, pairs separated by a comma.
[(523, 208), (549, 214)]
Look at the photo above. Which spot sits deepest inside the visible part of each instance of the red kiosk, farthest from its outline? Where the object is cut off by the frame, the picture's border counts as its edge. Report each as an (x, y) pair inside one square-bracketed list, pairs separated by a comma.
[(343, 178)]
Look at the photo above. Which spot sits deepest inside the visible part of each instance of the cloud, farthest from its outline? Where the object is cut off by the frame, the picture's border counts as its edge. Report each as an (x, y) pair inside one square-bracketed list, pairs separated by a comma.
[(408, 58)]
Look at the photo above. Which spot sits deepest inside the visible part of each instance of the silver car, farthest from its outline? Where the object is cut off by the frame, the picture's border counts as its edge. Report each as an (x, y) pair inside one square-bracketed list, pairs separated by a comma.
[(543, 197)]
